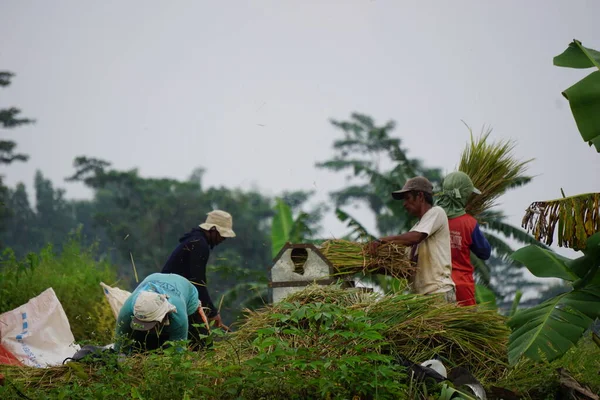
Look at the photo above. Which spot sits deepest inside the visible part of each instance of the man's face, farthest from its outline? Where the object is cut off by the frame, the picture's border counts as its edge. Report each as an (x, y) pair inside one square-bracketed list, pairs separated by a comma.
[(412, 203), (215, 237)]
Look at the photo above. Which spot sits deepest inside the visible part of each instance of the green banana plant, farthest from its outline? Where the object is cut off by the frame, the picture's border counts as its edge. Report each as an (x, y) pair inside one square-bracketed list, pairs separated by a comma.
[(551, 328), (583, 96), (287, 229)]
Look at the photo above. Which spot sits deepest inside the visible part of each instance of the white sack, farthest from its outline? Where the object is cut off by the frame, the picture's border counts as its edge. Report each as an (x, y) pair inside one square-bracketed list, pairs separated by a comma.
[(38, 332)]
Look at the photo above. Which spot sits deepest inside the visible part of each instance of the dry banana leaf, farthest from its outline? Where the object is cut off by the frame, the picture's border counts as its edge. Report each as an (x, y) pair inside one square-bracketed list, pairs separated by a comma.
[(578, 217)]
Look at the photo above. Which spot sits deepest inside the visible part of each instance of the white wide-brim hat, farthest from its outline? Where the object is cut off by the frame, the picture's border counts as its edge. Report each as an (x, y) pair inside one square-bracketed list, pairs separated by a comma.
[(220, 220), (149, 309)]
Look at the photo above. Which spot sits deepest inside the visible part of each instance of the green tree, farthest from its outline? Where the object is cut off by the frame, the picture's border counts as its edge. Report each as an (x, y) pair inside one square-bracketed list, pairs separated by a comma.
[(364, 151), (143, 218), (20, 228), (9, 118)]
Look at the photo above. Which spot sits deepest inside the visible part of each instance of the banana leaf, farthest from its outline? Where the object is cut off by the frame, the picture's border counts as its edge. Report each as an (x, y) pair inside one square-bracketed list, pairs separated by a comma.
[(485, 297), (583, 96), (551, 328), (576, 217), (282, 226)]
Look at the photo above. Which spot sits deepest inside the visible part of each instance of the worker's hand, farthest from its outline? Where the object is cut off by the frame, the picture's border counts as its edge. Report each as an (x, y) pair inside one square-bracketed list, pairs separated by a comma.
[(372, 247), (219, 323)]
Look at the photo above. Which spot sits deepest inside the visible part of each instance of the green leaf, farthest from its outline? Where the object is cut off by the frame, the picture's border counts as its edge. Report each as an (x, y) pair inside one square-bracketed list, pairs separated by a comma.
[(300, 229), (485, 297), (590, 259), (515, 303), (481, 268), (553, 327), (577, 56), (544, 263), (281, 227), (584, 100)]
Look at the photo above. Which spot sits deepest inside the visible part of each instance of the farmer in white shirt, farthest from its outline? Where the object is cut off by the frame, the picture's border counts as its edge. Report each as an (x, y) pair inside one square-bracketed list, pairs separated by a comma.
[(429, 238)]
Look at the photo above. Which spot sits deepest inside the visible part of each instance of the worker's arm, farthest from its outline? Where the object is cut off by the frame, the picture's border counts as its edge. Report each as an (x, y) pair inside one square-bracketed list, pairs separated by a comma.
[(406, 239), (431, 222), (480, 245), (123, 329)]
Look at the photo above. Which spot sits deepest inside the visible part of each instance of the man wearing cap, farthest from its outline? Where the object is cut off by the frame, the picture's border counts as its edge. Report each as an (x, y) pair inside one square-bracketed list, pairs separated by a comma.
[(190, 257), (164, 307), (429, 238), (465, 235)]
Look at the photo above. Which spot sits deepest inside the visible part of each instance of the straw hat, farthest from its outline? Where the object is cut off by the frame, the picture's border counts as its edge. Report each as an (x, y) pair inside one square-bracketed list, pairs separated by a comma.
[(222, 221)]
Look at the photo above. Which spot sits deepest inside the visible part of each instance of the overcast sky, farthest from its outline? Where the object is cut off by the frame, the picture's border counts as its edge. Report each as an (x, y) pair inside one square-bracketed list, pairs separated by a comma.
[(246, 90)]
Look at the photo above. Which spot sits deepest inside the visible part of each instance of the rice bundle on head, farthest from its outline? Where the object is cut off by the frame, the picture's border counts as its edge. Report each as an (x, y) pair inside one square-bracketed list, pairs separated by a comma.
[(352, 257), (493, 169)]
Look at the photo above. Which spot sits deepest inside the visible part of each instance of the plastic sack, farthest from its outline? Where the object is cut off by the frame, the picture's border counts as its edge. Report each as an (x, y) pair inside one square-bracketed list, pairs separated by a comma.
[(116, 297), (8, 358), (38, 333)]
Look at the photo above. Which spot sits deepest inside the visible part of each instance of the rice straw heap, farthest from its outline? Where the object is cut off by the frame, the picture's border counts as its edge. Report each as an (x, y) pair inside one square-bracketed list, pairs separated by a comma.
[(352, 257), (418, 328)]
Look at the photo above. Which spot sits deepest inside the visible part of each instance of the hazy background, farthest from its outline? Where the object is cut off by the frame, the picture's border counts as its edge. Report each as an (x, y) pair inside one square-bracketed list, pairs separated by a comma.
[(246, 90)]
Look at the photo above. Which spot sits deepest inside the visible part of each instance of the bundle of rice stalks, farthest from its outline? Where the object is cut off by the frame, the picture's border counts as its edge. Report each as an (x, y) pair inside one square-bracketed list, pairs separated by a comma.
[(41, 378), (417, 327), (492, 168), (352, 257), (578, 218)]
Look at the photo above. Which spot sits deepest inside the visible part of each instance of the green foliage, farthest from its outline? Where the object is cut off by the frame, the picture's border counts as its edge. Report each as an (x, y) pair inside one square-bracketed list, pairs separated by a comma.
[(539, 380), (277, 369), (75, 276), (485, 297), (285, 228), (583, 96), (281, 226), (552, 327), (346, 358), (9, 118), (515, 304)]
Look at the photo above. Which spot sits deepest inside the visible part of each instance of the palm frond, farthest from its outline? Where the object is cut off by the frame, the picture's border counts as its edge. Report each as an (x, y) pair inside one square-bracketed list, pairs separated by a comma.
[(578, 217), (492, 168), (501, 248), (359, 232), (511, 232), (482, 270)]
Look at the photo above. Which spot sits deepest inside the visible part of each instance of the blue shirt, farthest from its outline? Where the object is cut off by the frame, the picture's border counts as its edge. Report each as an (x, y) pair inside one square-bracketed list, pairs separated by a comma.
[(182, 294)]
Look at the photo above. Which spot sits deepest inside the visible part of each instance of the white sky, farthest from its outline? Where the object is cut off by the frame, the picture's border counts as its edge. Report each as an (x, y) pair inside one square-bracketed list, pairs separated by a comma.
[(247, 90)]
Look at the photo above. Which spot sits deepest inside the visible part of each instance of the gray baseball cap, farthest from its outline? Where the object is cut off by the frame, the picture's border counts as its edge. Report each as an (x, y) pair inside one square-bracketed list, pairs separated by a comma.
[(416, 184)]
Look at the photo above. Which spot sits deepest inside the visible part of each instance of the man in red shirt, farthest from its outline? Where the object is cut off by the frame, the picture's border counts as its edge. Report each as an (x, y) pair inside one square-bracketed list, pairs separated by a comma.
[(465, 235)]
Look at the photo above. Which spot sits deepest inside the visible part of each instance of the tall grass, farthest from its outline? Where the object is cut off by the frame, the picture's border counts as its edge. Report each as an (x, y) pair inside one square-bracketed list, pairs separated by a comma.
[(73, 274)]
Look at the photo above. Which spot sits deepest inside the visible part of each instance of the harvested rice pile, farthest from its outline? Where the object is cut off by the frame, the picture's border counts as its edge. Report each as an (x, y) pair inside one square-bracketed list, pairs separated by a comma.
[(352, 257), (417, 327)]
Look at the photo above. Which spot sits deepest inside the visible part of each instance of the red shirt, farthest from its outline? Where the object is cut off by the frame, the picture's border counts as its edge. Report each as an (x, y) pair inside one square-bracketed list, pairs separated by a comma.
[(465, 236)]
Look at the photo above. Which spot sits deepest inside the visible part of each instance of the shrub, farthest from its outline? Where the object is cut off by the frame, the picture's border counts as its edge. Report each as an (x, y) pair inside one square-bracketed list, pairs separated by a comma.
[(74, 275)]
